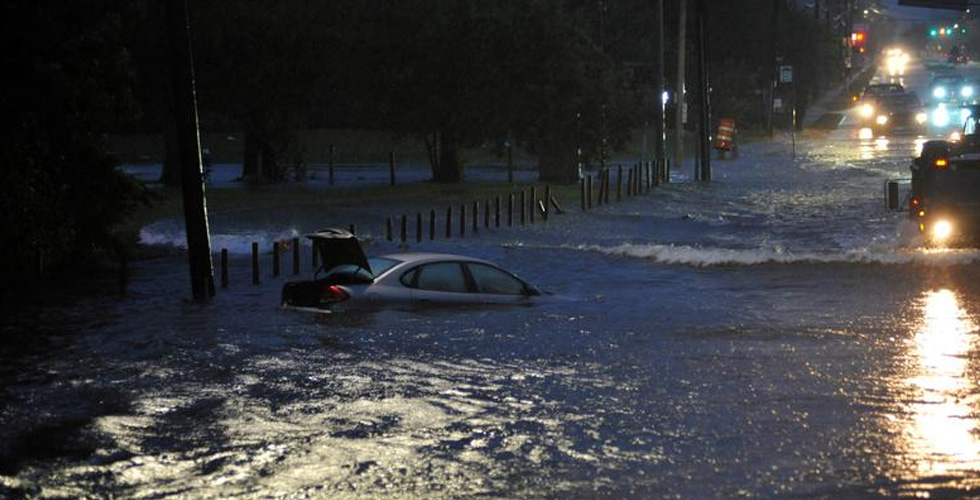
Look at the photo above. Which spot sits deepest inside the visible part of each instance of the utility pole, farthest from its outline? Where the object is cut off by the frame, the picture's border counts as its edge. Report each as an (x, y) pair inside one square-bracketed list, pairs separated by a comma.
[(189, 148), (773, 54), (704, 84), (680, 99), (659, 140)]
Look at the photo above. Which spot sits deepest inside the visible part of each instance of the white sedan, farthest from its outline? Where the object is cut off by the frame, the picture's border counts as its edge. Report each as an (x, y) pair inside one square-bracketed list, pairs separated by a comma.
[(352, 281)]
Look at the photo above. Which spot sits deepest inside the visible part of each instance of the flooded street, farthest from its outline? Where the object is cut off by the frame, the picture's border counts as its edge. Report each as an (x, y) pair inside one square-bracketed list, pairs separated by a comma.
[(775, 334)]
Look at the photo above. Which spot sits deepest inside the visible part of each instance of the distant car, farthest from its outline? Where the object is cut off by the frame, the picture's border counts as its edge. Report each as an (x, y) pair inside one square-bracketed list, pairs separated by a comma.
[(403, 280), (953, 90), (896, 113), (866, 102)]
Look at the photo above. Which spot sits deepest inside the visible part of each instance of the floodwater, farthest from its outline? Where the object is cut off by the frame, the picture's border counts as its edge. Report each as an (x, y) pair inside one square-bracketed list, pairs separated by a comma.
[(775, 334)]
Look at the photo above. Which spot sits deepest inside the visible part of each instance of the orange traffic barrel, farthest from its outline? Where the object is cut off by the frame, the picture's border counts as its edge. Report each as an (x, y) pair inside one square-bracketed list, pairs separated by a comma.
[(724, 140)]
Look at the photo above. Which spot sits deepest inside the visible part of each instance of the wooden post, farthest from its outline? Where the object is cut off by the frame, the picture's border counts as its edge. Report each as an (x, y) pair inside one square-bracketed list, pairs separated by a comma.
[(510, 161), (523, 207), (255, 263), (388, 228), (333, 152), (496, 211), (391, 167), (404, 229), (581, 188), (449, 222), (462, 220), (418, 227), (295, 256), (607, 183), (476, 216), (619, 183), (486, 213), (534, 201), (510, 209), (591, 188), (432, 224), (224, 268), (275, 258), (547, 196)]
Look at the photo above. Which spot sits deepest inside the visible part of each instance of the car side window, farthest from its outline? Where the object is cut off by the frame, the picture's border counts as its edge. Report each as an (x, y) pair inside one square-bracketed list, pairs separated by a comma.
[(489, 279), (442, 277), (408, 279)]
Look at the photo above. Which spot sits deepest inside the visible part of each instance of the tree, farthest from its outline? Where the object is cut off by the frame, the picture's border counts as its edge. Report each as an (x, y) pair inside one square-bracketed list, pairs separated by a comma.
[(61, 190), (260, 63)]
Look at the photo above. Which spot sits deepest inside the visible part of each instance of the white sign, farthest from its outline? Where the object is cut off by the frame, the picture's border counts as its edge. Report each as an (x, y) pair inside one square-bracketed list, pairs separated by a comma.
[(785, 74)]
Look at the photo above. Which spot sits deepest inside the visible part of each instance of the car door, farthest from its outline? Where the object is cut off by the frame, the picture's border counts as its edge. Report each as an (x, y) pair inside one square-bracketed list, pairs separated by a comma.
[(439, 283)]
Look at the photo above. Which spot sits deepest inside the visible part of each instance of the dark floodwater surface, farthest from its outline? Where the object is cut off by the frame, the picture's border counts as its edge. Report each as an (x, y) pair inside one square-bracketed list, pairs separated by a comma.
[(776, 334)]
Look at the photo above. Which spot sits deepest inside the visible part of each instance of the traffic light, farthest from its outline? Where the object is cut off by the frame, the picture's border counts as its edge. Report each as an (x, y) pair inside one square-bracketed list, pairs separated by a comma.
[(858, 39), (933, 32)]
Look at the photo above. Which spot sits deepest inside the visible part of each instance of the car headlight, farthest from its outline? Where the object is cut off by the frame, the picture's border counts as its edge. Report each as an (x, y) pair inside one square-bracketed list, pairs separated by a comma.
[(941, 230), (881, 120), (940, 117), (939, 92), (955, 136), (966, 91), (921, 118), (867, 110)]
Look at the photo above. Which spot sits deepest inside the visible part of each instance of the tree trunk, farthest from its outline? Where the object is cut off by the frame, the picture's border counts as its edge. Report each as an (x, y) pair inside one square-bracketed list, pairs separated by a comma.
[(556, 161), (259, 165), (251, 169), (449, 169)]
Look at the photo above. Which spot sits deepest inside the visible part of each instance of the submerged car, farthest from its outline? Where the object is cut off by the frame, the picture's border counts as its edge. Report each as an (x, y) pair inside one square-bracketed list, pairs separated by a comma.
[(350, 280), (944, 199)]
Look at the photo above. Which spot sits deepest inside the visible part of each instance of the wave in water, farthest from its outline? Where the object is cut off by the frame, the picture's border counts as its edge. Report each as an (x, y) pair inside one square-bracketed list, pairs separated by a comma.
[(704, 257), (171, 233)]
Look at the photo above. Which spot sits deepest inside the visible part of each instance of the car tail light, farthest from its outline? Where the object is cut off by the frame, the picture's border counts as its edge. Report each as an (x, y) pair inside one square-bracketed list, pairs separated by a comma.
[(942, 163), (914, 201), (333, 293)]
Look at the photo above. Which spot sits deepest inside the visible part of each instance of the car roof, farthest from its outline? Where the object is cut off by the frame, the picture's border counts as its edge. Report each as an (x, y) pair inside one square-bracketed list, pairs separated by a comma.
[(423, 257)]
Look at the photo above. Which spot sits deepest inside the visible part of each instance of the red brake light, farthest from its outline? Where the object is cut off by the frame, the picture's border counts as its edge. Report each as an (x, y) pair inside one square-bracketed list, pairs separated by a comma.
[(915, 202), (942, 163), (333, 293)]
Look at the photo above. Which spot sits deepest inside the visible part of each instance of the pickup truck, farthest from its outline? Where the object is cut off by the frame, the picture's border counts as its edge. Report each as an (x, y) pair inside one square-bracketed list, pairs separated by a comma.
[(944, 197)]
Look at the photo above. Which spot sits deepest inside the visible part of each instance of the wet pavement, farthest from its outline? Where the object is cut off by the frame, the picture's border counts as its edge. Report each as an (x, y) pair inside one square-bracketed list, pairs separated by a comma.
[(776, 334)]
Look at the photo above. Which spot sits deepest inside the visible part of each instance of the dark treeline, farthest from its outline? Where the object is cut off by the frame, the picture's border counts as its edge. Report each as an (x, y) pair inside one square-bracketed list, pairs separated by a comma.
[(564, 80)]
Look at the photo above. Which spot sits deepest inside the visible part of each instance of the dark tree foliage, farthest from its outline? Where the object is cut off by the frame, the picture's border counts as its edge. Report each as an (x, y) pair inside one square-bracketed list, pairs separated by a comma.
[(461, 73), (66, 79), (260, 63)]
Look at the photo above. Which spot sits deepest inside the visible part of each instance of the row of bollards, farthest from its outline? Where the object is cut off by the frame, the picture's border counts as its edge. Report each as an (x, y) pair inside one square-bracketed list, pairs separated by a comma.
[(528, 204), (595, 190)]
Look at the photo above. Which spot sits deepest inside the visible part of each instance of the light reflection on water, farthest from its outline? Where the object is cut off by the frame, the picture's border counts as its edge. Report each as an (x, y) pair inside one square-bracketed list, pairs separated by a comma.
[(942, 434)]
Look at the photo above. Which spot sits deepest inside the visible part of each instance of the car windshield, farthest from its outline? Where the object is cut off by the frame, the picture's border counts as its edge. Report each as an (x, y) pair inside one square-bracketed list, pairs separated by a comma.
[(899, 100), (875, 90)]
